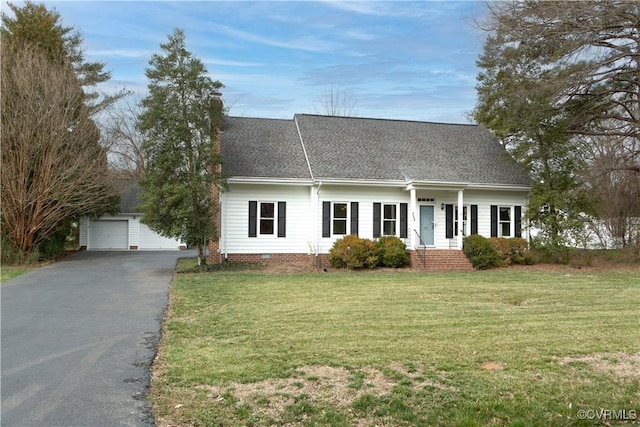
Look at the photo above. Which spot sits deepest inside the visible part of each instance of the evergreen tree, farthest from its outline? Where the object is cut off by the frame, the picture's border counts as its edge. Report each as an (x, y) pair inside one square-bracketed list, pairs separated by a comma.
[(180, 119), (34, 25)]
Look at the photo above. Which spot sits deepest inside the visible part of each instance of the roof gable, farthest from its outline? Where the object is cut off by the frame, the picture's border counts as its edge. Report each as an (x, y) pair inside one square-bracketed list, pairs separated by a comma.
[(397, 150), (262, 148), (347, 148)]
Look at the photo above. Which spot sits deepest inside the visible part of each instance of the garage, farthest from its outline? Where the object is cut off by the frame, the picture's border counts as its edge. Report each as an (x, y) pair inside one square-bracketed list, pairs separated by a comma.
[(151, 239), (110, 234), (124, 230)]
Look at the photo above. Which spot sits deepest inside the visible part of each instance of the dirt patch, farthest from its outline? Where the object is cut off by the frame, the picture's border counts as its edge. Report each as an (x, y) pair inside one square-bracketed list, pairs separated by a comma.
[(335, 386), (493, 366), (625, 366)]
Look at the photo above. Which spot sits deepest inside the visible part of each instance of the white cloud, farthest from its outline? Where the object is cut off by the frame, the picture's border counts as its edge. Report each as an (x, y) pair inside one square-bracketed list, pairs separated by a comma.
[(307, 43)]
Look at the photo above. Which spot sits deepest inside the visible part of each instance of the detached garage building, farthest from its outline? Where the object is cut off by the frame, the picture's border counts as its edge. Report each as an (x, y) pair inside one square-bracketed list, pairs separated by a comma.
[(123, 231)]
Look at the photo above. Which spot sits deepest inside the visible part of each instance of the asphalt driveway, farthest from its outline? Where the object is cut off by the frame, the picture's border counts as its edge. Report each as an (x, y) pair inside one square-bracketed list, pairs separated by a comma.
[(78, 337)]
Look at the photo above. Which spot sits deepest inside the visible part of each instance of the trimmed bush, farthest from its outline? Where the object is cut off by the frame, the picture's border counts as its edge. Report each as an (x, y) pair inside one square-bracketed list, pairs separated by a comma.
[(353, 252), (512, 250), (392, 252), (480, 252)]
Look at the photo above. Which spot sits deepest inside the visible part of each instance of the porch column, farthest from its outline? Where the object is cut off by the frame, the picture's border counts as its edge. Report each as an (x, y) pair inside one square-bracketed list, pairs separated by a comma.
[(412, 221), (459, 218)]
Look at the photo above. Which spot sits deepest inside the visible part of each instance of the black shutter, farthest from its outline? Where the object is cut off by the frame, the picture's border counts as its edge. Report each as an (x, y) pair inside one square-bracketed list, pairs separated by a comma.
[(354, 218), (517, 213), (326, 219), (474, 219), (448, 218), (253, 219), (403, 220), (494, 221), (282, 219), (377, 223)]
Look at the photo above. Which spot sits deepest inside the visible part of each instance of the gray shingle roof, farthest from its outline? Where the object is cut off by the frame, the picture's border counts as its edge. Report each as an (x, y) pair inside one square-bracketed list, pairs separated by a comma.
[(263, 148), (366, 149)]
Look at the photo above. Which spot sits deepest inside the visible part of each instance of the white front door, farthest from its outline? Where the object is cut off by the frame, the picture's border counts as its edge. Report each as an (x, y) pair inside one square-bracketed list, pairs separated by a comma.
[(427, 225)]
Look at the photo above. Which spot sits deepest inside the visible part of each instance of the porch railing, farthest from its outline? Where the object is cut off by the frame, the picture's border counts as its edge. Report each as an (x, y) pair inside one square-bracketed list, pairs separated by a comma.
[(422, 255)]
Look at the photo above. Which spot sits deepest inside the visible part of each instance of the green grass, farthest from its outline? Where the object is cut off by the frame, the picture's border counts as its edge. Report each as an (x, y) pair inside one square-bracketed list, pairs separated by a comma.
[(502, 347), (9, 271)]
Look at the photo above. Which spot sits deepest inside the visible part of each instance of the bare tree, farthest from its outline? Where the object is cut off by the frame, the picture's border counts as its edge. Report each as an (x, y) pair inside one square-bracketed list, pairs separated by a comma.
[(615, 181), (335, 102), (53, 167), (122, 139)]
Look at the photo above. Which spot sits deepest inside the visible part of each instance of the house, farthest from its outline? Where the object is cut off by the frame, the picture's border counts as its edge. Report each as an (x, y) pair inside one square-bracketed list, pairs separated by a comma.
[(123, 231), (296, 186)]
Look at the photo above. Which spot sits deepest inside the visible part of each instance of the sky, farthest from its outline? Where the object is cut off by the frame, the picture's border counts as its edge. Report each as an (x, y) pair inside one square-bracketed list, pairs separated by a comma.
[(390, 59)]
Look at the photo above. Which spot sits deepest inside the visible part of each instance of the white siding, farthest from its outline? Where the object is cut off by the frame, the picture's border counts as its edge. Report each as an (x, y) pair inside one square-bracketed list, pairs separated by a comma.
[(366, 197), (234, 236), (82, 238), (149, 239), (304, 213), (109, 232)]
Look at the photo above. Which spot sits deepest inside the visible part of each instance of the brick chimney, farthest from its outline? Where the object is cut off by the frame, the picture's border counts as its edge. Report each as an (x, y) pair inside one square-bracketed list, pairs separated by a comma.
[(217, 118)]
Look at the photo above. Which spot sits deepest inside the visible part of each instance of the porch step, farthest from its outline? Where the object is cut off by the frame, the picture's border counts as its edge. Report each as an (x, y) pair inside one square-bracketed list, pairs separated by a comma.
[(439, 260)]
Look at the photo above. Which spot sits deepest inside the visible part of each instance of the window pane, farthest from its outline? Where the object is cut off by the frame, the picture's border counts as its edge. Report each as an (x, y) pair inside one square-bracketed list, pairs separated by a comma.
[(389, 211), (389, 228), (267, 210), (506, 229), (339, 210), (339, 226), (266, 226), (505, 214)]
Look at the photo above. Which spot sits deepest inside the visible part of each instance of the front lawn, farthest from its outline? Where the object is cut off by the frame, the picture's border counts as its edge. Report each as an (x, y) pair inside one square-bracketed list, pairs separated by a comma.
[(9, 271), (504, 347)]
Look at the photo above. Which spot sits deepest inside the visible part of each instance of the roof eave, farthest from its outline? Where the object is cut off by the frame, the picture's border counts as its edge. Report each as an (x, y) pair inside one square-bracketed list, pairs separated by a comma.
[(361, 182), (268, 180), (443, 185)]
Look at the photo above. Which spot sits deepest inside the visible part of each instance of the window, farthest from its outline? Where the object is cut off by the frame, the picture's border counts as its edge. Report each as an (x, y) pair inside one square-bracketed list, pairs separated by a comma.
[(389, 220), (267, 218), (464, 221), (504, 221), (340, 218)]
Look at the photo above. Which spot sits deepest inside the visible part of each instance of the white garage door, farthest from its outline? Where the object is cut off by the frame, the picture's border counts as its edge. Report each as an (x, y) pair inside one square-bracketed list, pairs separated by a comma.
[(152, 240), (108, 234)]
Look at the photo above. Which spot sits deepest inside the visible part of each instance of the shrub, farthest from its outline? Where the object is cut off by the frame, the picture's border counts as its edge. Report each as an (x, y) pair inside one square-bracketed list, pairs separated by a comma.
[(480, 252), (392, 252), (353, 252), (512, 250), (11, 255)]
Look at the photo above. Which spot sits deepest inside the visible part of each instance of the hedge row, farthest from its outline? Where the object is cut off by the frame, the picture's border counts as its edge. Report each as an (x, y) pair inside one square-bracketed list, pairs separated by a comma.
[(355, 252)]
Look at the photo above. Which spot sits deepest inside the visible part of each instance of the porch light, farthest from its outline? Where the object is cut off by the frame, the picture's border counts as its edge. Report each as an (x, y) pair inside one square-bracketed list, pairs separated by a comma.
[(442, 206)]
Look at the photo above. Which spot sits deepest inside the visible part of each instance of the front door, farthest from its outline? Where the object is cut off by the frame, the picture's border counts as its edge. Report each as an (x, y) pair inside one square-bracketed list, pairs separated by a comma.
[(426, 225)]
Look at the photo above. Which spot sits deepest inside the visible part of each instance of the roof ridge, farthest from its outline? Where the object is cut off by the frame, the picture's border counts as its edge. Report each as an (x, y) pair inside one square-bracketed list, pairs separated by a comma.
[(304, 149), (388, 120)]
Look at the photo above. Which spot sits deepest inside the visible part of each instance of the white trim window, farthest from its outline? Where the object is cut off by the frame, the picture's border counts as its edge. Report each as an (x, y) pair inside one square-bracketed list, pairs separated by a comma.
[(465, 230), (339, 218), (266, 218), (389, 220), (504, 221)]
